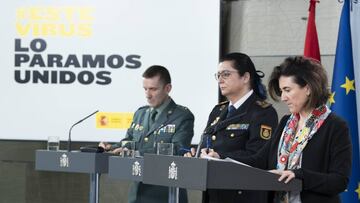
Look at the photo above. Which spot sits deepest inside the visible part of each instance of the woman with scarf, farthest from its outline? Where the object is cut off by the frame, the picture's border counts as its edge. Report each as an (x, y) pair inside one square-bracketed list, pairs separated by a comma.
[(312, 143)]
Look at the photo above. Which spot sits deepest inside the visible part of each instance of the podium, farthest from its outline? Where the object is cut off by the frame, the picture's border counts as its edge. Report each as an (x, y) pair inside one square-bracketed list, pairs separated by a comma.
[(202, 174), (126, 168), (77, 162)]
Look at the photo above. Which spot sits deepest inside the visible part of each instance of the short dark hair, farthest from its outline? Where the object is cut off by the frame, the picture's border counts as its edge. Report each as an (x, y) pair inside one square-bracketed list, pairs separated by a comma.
[(242, 63), (305, 71), (157, 70)]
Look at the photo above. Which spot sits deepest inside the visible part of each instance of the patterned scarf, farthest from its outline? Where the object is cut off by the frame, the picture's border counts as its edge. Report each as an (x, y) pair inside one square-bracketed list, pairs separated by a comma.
[(292, 144)]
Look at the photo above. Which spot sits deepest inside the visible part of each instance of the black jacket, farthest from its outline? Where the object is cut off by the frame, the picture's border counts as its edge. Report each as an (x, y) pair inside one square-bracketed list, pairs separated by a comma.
[(326, 160), (243, 134)]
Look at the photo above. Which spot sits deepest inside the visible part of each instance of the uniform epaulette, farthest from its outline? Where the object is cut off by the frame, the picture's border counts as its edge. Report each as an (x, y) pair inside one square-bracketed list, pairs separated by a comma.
[(222, 103), (183, 107), (143, 107), (220, 106), (263, 104)]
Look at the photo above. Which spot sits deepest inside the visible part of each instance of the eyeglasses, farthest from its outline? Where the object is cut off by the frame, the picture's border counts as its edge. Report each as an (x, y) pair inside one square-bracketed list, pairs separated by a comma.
[(224, 74)]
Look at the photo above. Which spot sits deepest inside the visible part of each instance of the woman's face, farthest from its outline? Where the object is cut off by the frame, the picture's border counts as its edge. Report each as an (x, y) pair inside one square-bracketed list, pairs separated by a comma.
[(293, 95)]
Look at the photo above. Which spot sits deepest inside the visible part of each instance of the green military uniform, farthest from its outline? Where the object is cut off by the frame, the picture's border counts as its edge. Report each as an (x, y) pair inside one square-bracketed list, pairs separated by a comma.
[(175, 125)]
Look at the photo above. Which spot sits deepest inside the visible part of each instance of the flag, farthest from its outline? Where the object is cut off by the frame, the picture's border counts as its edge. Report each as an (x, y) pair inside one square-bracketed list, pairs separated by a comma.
[(312, 49), (343, 98), (355, 31)]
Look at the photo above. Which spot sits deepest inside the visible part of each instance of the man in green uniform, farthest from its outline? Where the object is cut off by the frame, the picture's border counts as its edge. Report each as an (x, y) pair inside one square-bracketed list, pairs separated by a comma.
[(162, 121)]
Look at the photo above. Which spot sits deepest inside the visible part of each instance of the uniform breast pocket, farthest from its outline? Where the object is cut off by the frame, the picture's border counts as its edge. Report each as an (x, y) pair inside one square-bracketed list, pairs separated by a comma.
[(164, 137), (237, 134), (236, 139)]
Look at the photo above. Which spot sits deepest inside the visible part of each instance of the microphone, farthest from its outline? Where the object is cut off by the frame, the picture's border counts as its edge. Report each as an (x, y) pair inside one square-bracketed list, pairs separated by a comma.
[(69, 140)]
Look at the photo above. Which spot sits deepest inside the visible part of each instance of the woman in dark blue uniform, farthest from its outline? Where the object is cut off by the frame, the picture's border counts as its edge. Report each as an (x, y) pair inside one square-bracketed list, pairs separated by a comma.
[(241, 125)]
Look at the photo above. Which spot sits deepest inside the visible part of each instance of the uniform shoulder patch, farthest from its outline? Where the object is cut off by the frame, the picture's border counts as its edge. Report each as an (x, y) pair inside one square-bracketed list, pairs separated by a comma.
[(265, 132), (263, 104)]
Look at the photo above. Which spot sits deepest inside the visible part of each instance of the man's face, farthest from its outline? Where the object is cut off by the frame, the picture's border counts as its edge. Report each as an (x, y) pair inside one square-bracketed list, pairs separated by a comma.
[(230, 82), (155, 91)]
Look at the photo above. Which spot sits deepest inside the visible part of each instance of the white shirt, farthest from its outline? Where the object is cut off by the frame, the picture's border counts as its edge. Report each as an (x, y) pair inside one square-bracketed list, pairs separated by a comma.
[(242, 99)]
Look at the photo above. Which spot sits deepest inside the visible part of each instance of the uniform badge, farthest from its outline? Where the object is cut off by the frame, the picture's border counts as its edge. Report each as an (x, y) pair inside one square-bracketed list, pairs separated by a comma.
[(137, 127), (215, 121), (222, 107), (265, 132), (238, 126), (169, 128)]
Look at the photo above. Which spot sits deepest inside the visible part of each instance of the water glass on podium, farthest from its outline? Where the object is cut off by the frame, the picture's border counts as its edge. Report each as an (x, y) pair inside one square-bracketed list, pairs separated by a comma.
[(165, 148), (53, 143), (128, 149)]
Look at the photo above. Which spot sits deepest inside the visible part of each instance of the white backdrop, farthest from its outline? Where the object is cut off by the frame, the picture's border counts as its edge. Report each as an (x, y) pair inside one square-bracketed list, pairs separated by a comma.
[(182, 35)]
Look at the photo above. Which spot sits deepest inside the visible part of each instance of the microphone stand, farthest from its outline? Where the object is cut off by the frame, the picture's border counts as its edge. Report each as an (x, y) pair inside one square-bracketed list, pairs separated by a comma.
[(69, 140), (197, 154)]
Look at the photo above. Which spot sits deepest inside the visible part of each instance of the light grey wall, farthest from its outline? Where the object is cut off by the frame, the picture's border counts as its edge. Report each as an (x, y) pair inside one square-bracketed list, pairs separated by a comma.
[(271, 30), (276, 27)]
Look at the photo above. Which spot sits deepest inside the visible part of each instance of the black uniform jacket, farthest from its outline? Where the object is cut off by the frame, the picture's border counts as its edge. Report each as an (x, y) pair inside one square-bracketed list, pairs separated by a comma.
[(243, 134), (326, 161)]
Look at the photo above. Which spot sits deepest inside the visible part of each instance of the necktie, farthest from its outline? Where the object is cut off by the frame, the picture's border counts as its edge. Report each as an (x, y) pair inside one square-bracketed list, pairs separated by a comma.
[(231, 111), (153, 114)]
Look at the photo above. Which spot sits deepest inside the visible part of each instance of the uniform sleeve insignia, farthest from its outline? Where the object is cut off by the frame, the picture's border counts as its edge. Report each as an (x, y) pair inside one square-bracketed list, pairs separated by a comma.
[(263, 104), (265, 132)]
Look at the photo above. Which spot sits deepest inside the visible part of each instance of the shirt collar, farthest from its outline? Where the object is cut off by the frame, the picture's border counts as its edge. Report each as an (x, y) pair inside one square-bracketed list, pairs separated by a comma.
[(161, 108), (242, 99)]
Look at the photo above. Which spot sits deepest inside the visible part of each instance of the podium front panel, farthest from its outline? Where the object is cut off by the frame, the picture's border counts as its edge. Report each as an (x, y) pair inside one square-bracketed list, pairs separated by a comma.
[(175, 171), (126, 168), (74, 161), (229, 175)]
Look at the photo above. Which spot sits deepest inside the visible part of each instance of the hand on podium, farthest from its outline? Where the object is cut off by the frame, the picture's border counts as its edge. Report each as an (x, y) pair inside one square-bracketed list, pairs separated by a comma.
[(286, 175), (205, 152), (108, 148), (190, 153)]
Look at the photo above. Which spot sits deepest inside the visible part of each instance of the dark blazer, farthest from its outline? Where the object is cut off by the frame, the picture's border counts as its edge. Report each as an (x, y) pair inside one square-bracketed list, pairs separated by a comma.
[(174, 125), (243, 134), (326, 161)]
